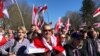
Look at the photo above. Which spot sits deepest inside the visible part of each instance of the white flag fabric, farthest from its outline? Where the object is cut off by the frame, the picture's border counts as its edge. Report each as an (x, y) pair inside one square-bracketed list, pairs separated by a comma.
[(31, 49), (5, 12)]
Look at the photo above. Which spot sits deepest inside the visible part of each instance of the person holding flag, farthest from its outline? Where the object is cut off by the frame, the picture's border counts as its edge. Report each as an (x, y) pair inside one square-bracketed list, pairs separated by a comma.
[(49, 43)]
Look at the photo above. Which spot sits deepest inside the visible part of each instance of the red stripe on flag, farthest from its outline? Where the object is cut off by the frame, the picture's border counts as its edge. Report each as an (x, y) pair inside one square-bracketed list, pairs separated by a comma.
[(34, 15), (1, 9), (98, 10)]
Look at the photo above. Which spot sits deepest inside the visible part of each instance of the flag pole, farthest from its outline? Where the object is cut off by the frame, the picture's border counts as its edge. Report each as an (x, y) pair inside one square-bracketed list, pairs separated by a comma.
[(20, 13)]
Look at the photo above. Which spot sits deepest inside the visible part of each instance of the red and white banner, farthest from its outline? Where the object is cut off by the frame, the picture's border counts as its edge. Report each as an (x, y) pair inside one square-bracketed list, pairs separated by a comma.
[(97, 12), (37, 15), (34, 15), (58, 24)]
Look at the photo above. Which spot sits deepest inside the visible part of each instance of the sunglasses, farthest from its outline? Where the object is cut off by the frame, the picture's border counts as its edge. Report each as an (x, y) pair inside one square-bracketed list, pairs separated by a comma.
[(47, 30)]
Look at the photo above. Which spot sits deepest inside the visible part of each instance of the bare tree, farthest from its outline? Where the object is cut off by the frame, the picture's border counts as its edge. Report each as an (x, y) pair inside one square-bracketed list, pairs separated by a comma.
[(15, 18), (75, 19)]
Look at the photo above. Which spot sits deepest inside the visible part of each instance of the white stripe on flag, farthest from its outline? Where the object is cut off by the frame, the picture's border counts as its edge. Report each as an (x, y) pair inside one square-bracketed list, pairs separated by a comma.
[(96, 14), (5, 12)]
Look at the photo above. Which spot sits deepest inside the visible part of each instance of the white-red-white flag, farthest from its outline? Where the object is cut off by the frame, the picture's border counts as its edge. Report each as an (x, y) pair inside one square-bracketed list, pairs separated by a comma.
[(34, 15), (4, 5), (37, 15), (43, 8), (97, 12), (7, 4), (67, 25), (58, 24), (6, 14)]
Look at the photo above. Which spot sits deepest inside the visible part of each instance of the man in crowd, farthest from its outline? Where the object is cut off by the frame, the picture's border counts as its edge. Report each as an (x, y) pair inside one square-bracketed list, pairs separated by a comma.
[(50, 43)]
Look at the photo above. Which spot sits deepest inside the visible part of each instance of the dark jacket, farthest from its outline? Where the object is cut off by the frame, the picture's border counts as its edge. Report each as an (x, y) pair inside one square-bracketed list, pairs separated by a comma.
[(88, 45), (70, 50)]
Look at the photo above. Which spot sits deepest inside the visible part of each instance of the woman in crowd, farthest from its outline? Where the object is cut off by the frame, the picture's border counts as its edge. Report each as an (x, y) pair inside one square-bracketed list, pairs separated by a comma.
[(17, 45), (9, 34)]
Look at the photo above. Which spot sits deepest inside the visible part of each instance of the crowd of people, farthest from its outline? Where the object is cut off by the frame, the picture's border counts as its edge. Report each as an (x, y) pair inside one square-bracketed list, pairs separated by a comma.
[(47, 42)]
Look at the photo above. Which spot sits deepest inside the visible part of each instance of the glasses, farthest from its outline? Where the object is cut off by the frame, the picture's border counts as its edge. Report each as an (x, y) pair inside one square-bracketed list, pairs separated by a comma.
[(47, 30)]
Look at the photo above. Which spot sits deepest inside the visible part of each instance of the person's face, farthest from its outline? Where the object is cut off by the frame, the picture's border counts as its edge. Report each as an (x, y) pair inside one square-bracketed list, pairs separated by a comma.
[(47, 31), (63, 37), (95, 34), (21, 34), (76, 42), (53, 31), (64, 31), (10, 31), (85, 35), (33, 28)]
